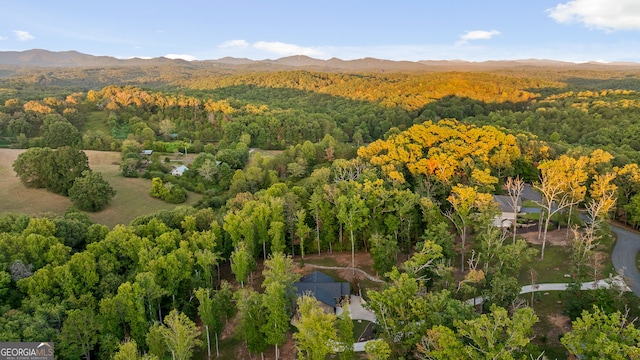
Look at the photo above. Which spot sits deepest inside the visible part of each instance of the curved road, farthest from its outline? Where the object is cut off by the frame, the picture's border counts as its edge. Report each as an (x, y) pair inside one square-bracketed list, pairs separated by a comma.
[(623, 257)]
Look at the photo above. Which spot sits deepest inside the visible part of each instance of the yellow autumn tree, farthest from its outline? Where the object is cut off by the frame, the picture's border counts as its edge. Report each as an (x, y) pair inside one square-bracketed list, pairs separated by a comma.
[(446, 152), (466, 201)]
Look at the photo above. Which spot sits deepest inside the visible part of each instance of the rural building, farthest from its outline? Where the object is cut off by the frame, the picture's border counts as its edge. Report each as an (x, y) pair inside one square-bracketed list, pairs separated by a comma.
[(178, 171), (324, 288), (506, 217)]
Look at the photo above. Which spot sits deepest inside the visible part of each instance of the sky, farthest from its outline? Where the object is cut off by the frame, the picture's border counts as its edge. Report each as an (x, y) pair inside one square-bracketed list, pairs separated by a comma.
[(471, 30)]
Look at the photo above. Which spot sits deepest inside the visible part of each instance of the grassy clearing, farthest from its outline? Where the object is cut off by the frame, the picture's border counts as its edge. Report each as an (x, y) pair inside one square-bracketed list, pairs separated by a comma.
[(529, 216), (366, 285), (552, 269), (132, 198), (96, 121), (263, 153), (359, 326), (326, 261)]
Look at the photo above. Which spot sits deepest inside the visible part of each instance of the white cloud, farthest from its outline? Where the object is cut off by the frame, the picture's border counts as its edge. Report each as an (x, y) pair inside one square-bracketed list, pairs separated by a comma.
[(479, 35), (234, 44), (23, 35), (3, 38), (606, 15), (181, 56), (280, 48)]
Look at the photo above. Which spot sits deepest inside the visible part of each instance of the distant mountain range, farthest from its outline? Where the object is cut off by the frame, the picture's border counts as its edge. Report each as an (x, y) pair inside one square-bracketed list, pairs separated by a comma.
[(45, 58)]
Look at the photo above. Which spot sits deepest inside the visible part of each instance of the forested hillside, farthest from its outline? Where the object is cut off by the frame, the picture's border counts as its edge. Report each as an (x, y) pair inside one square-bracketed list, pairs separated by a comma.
[(396, 168)]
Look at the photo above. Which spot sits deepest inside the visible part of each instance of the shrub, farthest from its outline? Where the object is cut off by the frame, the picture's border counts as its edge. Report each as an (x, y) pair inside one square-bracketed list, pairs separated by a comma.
[(169, 192)]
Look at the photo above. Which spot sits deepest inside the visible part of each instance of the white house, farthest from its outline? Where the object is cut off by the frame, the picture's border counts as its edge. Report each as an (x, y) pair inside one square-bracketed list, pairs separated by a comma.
[(178, 171), (507, 216)]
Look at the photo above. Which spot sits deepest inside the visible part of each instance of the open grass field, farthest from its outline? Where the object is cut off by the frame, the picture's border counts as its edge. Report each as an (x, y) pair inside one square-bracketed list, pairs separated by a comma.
[(551, 269), (132, 198)]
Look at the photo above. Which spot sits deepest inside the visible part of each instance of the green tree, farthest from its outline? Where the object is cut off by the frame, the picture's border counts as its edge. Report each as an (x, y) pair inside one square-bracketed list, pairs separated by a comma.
[(344, 326), (276, 232), (302, 229), (174, 271), (377, 350), (176, 194), (79, 333), (129, 167), (157, 188), (91, 192), (251, 320), (420, 266), (207, 260), (241, 262), (598, 335), (279, 268), (59, 133), (489, 336), (166, 128), (211, 315), (276, 317), (315, 206), (392, 305), (633, 211), (261, 215), (66, 165), (384, 252), (125, 312), (31, 167), (352, 212), (503, 289), (208, 170), (316, 336), (405, 312), (224, 297), (181, 335), (129, 351), (153, 293)]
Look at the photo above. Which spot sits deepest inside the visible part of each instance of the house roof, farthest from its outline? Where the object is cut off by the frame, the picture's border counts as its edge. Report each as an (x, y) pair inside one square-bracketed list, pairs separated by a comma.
[(323, 287), (179, 170), (505, 203)]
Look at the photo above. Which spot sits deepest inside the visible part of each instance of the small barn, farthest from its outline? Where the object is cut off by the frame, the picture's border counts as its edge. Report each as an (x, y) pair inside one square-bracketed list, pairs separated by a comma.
[(324, 288)]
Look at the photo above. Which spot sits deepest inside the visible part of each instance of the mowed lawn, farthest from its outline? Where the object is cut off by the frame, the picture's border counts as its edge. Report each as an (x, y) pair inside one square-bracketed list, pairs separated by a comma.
[(132, 198)]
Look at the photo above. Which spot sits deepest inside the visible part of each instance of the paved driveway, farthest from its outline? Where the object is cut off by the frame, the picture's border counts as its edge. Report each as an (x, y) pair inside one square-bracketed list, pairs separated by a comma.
[(624, 257)]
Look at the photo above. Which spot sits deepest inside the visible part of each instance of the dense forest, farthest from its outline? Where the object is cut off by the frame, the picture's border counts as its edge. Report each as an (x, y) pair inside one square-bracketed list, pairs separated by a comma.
[(400, 167)]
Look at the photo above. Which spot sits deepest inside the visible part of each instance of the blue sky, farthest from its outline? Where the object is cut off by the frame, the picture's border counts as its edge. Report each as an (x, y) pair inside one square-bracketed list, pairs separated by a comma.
[(473, 30)]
